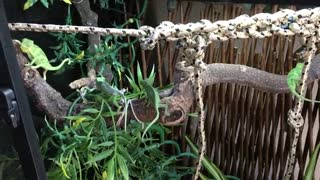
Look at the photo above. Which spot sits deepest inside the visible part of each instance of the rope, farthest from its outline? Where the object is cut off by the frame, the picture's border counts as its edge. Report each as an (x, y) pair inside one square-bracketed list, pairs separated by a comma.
[(285, 22), (295, 119), (75, 29), (192, 54)]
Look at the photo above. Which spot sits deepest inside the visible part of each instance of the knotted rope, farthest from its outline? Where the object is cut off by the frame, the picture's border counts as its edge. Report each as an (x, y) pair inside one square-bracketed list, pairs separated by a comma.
[(192, 54), (295, 119), (285, 22)]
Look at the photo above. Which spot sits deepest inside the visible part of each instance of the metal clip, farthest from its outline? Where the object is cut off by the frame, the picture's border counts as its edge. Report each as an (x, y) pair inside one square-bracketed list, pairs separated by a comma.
[(9, 107)]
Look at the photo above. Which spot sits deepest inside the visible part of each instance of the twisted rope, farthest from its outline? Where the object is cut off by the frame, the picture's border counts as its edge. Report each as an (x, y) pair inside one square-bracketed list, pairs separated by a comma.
[(285, 22), (295, 119), (192, 54)]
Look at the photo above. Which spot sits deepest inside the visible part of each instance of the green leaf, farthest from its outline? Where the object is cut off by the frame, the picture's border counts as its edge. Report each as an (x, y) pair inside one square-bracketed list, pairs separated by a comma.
[(45, 3), (203, 177), (104, 175), (133, 84), (229, 177), (124, 152), (106, 144), (29, 4), (78, 117), (151, 77), (312, 164), (210, 167), (139, 74), (111, 169), (67, 1), (91, 110), (100, 156), (123, 167)]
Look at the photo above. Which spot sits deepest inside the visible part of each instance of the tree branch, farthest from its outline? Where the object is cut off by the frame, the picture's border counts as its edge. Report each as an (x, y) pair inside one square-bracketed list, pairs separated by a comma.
[(50, 102), (45, 98), (89, 18), (181, 100)]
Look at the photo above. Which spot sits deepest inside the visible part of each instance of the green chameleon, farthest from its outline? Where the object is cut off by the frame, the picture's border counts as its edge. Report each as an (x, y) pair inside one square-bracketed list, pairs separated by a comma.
[(105, 87), (154, 98), (294, 78), (38, 57), (108, 89)]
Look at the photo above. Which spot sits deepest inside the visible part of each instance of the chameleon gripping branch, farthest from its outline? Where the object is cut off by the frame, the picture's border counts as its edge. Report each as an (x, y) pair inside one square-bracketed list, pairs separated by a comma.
[(304, 23)]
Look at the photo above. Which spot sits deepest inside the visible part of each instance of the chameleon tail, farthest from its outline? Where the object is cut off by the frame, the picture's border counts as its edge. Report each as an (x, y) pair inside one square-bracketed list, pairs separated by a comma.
[(303, 98), (54, 68)]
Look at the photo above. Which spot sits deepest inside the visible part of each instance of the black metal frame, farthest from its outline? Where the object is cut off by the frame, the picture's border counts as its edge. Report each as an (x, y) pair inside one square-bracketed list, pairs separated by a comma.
[(14, 106)]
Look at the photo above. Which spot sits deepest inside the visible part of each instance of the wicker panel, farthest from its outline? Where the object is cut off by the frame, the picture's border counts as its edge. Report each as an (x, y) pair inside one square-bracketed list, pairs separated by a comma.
[(247, 132)]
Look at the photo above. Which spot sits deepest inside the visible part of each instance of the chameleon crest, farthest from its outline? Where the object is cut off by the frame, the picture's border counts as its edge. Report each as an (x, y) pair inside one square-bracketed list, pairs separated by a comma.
[(38, 57)]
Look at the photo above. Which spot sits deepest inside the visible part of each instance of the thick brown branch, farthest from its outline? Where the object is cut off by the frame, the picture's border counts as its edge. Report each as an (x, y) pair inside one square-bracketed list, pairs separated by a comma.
[(45, 98), (89, 18), (181, 100), (264, 81), (49, 101)]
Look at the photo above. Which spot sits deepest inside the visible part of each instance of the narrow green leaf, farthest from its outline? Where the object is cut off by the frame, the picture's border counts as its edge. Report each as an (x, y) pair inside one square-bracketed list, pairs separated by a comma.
[(111, 169), (203, 177), (99, 157), (123, 167), (152, 76), (106, 144), (67, 1), (133, 84), (210, 167), (104, 175), (124, 152), (63, 167), (229, 177), (174, 143), (45, 3), (139, 74), (312, 164), (78, 117), (91, 110), (29, 4)]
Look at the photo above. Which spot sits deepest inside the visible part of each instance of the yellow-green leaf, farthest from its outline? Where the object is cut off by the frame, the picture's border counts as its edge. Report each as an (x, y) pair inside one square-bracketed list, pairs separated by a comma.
[(123, 167), (79, 121), (111, 169), (67, 1), (63, 168), (28, 4), (80, 56), (104, 175)]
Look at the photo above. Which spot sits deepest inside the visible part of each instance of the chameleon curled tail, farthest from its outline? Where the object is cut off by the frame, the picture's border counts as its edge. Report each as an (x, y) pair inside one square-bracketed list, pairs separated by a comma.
[(38, 57), (293, 80)]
